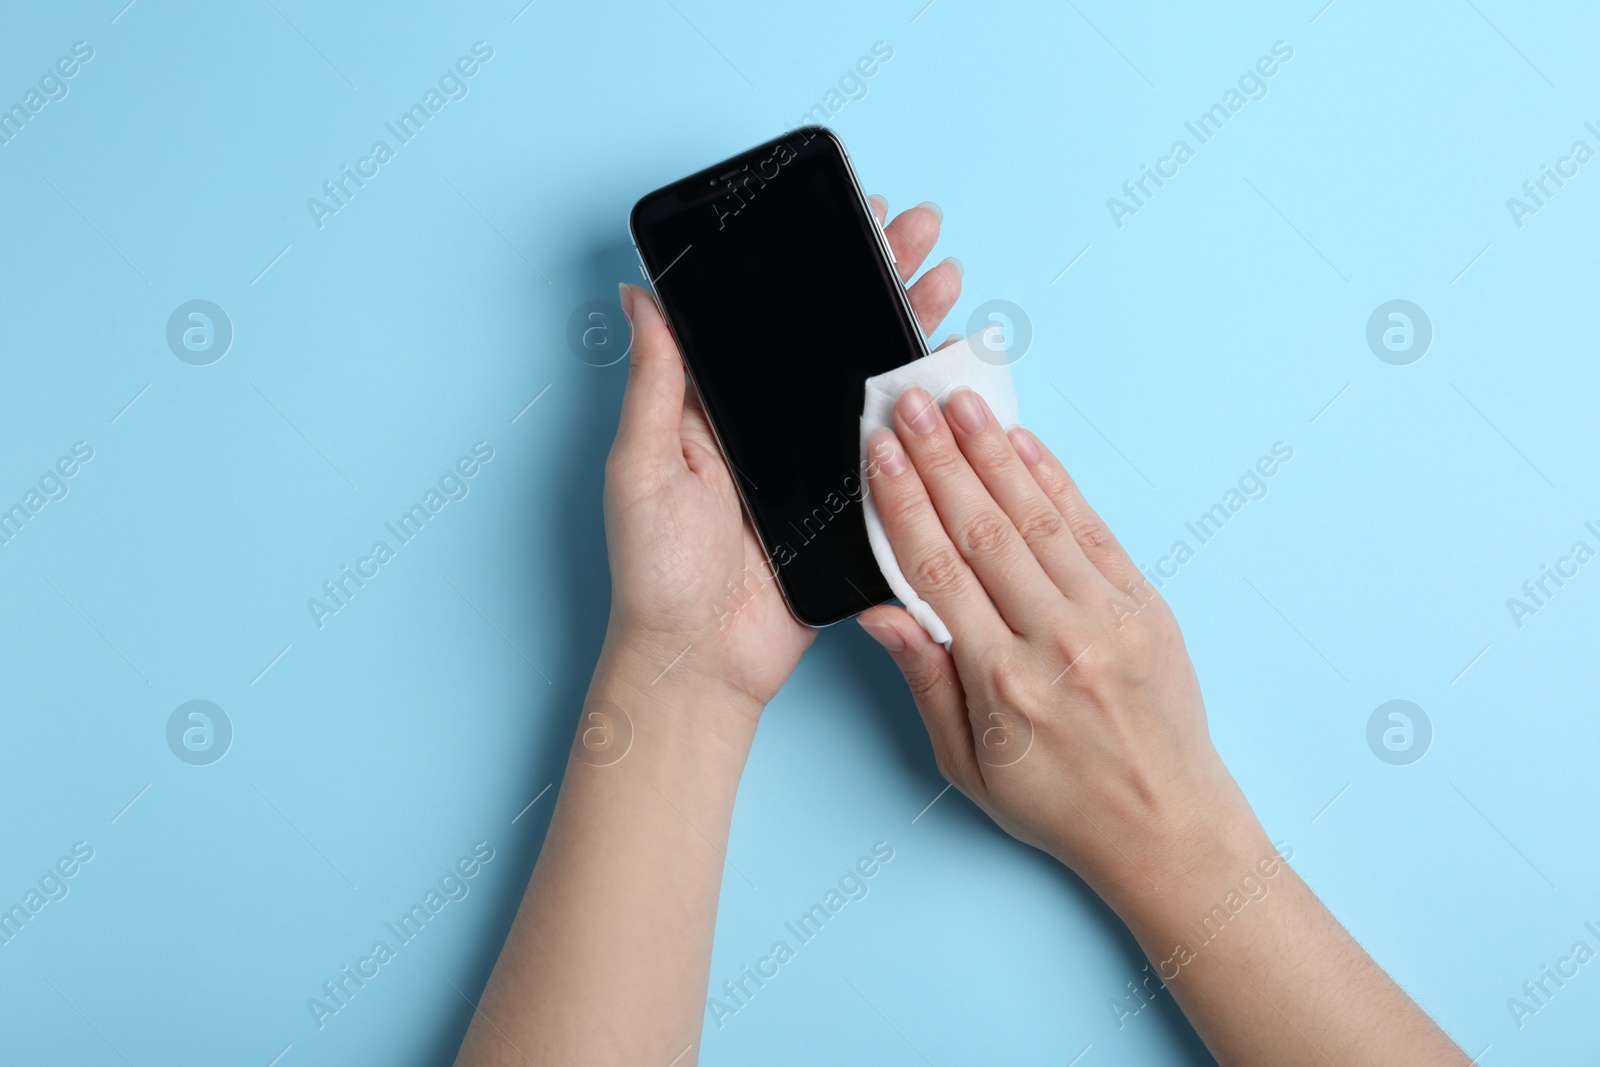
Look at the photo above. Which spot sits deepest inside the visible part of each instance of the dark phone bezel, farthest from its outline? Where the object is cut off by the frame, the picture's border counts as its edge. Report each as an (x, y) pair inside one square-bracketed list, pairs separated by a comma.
[(703, 186)]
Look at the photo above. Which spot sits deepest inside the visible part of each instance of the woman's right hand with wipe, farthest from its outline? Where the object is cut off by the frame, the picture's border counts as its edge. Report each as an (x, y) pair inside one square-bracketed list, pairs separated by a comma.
[(1067, 707)]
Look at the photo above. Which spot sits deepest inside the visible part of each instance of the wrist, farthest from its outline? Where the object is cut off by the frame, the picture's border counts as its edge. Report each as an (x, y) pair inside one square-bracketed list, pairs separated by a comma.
[(659, 689), (1191, 858)]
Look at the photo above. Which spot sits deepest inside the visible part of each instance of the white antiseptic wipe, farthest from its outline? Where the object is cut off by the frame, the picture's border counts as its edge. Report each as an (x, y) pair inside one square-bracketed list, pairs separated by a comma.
[(979, 363)]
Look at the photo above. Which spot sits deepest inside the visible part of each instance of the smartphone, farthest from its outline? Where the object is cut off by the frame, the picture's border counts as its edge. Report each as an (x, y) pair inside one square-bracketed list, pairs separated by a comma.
[(782, 292)]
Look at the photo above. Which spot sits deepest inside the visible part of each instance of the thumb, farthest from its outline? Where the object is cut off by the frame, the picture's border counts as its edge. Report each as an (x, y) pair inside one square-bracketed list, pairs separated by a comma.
[(652, 406), (930, 672)]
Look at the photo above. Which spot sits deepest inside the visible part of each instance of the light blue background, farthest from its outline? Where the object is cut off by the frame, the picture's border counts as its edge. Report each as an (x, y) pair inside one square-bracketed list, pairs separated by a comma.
[(1221, 318)]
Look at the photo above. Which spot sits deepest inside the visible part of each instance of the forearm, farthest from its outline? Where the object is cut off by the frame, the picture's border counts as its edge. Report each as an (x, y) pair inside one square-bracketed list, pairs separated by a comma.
[(608, 959), (1266, 975)]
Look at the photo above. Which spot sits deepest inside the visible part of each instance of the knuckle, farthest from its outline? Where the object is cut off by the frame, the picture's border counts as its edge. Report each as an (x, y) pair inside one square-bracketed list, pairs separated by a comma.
[(941, 463), (898, 507), (1163, 632), (1090, 532), (1012, 687), (940, 571), (1136, 634), (1142, 653), (985, 537), (1041, 526), (924, 680), (1053, 480), (1079, 662)]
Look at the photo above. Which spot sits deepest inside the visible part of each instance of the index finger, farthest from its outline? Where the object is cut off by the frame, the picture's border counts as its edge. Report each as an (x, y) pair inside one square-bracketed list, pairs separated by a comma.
[(930, 562)]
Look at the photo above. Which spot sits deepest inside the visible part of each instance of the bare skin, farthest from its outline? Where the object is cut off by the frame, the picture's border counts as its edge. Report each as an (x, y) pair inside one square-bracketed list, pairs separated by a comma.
[(1068, 711), (1062, 649)]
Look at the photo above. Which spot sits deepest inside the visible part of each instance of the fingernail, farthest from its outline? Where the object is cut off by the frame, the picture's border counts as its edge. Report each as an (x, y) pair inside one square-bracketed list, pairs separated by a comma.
[(961, 272), (886, 453), (938, 212), (952, 339), (918, 411), (883, 205), (1025, 445), (884, 634), (625, 298), (966, 411)]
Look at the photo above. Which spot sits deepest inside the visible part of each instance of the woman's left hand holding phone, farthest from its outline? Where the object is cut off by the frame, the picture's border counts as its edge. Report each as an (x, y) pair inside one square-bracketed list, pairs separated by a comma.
[(691, 586), (610, 954)]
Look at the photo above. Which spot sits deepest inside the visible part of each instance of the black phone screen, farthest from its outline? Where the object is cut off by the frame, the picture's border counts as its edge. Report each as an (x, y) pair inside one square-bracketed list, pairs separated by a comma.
[(769, 269)]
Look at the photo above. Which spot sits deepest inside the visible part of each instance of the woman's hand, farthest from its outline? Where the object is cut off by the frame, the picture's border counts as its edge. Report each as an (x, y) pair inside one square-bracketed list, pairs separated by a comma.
[(692, 591), (1070, 712), (622, 904), (1067, 709)]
